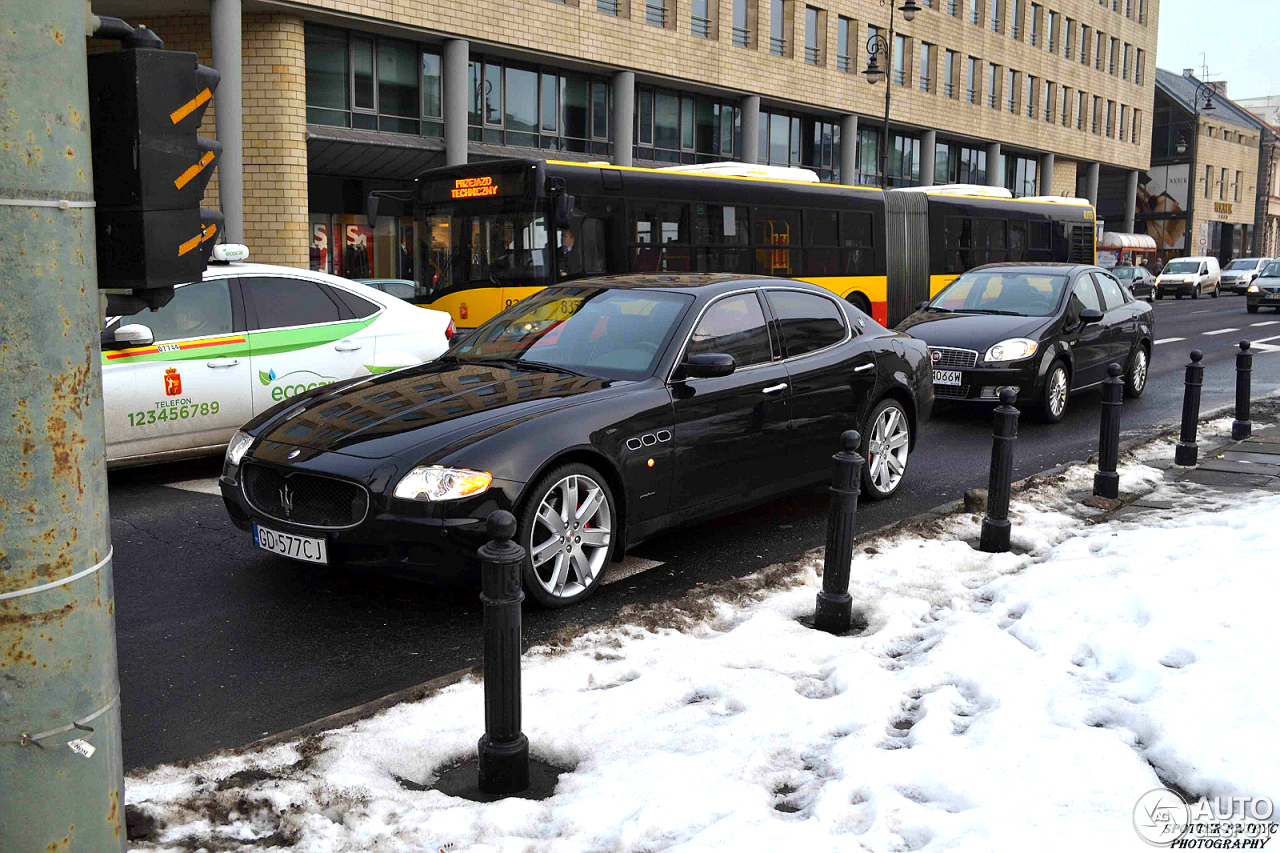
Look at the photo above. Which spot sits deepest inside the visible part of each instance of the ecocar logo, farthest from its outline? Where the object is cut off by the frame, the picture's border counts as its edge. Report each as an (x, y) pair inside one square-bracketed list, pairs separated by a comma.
[(305, 381)]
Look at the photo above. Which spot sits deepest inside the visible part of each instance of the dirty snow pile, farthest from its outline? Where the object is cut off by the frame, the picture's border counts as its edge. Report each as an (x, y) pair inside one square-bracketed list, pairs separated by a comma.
[(1011, 702)]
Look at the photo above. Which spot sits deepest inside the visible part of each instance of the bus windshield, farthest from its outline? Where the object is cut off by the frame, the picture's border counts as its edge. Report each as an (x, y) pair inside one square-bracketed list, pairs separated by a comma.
[(464, 247)]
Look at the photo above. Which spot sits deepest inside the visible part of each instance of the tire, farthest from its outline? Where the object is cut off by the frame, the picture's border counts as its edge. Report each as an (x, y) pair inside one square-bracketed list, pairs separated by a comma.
[(1195, 294), (1177, 296), (886, 445), (1053, 396), (1135, 374), (862, 303), (1217, 289), (1253, 309), (570, 572), (1159, 296)]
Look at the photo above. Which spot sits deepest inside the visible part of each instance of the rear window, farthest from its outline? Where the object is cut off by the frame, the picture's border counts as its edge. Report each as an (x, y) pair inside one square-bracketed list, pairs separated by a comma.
[(809, 322)]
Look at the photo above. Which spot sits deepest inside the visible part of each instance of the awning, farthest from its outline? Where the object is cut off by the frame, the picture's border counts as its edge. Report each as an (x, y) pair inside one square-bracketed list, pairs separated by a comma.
[(353, 153), (1117, 240)]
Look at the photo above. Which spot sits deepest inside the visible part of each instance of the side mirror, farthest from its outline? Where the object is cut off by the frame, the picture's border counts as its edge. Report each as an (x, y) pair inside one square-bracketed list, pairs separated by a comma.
[(707, 364), (1090, 315), (371, 210), (563, 210), (132, 335)]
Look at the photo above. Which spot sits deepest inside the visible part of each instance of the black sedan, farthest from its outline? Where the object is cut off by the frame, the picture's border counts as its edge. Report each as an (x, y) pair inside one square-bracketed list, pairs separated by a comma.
[(1044, 329), (1139, 280), (598, 413)]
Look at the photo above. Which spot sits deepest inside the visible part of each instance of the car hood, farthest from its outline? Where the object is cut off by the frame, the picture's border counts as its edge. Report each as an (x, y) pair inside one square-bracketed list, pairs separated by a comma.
[(969, 331), (427, 407), (1267, 280)]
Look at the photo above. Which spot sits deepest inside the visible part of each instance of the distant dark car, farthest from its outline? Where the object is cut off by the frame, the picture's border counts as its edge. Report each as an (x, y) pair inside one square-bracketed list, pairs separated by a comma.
[(1264, 292), (1045, 329), (1139, 280), (400, 288), (598, 413)]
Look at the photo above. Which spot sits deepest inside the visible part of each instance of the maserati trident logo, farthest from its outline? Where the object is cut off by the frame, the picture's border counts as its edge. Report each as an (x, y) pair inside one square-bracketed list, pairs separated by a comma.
[(286, 500), (293, 454)]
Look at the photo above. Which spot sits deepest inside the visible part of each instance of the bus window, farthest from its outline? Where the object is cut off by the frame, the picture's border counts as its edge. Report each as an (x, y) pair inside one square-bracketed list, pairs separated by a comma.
[(996, 250), (1040, 238), (857, 243), (776, 228), (659, 237), (1017, 240), (958, 244), (821, 231)]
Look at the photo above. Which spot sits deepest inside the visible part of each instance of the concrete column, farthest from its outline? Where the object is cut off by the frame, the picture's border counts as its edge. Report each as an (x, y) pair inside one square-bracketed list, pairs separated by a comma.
[(750, 129), (225, 26), (928, 146), (1091, 183), (624, 107), (1130, 200), (995, 167), (848, 149), (456, 55), (1046, 174)]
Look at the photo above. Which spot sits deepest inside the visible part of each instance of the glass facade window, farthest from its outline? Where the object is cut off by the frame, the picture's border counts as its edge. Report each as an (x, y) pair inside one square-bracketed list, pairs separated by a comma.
[(1068, 37), (1051, 36), (1011, 89), (700, 19), (903, 164), (1064, 98), (949, 75), (844, 45), (674, 127), (1081, 104), (801, 141), (993, 82), (811, 46), (1124, 121), (926, 66), (777, 36), (355, 80), (958, 164), (1021, 175), (741, 29), (537, 108), (1028, 96), (899, 60)]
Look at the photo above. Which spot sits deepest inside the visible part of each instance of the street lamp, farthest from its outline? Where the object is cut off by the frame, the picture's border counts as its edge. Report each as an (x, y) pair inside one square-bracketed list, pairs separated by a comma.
[(877, 45), (1204, 92)]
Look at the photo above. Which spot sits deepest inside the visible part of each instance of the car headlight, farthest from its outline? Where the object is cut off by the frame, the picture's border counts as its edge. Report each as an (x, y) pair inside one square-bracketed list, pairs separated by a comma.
[(434, 483), (1011, 350), (239, 445), (1253, 288)]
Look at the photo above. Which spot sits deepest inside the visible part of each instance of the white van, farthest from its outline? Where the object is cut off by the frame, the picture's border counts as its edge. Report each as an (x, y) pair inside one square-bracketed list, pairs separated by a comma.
[(1189, 276)]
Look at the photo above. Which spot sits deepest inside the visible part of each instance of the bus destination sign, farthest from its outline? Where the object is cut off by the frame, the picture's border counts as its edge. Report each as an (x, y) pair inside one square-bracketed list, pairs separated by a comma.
[(474, 187)]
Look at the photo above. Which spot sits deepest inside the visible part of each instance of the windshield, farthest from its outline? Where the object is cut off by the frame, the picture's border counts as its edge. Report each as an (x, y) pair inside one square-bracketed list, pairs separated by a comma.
[(1123, 273), (1182, 268), (1273, 269), (1243, 264), (617, 334), (462, 248), (1000, 292)]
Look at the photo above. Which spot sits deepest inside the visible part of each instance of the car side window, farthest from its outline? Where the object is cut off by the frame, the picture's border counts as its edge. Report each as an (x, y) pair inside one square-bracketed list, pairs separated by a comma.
[(808, 322), (1112, 295), (199, 309), (361, 307), (1083, 295), (283, 302), (734, 325)]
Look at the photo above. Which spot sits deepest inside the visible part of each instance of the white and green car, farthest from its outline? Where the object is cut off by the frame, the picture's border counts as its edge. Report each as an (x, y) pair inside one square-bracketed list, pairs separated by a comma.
[(179, 381)]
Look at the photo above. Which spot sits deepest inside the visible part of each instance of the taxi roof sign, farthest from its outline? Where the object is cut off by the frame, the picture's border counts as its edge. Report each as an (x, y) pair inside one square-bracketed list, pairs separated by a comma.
[(225, 253)]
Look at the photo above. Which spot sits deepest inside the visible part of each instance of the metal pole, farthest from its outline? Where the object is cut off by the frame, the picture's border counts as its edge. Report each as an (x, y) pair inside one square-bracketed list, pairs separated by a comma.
[(995, 527), (60, 755), (1186, 451), (503, 749), (888, 90), (1242, 427), (224, 22), (834, 610), (457, 88), (624, 100), (1106, 482)]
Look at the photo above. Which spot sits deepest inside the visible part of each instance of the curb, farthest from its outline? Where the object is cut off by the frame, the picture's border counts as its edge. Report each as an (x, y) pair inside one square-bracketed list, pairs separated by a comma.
[(429, 688)]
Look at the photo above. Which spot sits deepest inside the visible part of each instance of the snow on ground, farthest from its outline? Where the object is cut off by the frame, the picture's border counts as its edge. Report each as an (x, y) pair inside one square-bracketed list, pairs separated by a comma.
[(1009, 702)]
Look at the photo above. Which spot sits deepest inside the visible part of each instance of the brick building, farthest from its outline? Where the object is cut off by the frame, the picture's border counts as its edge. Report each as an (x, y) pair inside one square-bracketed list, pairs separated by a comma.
[(339, 97)]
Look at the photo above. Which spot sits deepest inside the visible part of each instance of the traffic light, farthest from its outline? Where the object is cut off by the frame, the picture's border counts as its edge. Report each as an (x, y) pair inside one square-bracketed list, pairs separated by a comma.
[(151, 167)]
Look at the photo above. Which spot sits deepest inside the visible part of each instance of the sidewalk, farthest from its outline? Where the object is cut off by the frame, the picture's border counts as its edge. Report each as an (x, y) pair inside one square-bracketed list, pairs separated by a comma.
[(1001, 702)]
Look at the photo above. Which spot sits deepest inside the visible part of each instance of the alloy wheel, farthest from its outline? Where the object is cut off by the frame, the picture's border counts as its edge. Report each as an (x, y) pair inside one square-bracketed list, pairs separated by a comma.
[(1139, 380), (569, 538), (1057, 392), (888, 449)]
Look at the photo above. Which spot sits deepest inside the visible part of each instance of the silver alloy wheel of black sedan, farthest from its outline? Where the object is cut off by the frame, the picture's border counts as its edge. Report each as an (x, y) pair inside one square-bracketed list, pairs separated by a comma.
[(1136, 380), (570, 535), (886, 447), (1057, 386)]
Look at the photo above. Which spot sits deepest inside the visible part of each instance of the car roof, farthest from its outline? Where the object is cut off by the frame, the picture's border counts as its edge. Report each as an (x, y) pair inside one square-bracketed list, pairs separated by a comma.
[(1037, 266), (221, 270), (709, 282)]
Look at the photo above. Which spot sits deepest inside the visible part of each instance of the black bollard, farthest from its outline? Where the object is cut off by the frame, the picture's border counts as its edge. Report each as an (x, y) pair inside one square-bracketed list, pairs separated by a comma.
[(503, 749), (995, 527), (1242, 427), (834, 611), (1106, 482), (1186, 453)]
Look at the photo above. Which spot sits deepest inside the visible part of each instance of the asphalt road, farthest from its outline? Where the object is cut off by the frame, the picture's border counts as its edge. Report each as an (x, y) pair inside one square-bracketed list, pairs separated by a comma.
[(220, 643)]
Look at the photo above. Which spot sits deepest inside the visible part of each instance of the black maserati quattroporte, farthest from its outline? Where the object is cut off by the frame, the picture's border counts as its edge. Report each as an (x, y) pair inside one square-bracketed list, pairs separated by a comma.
[(598, 413)]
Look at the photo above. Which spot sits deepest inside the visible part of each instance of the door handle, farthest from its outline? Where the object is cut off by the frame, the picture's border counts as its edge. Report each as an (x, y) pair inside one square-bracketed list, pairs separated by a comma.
[(863, 367), (347, 346), (774, 389), (222, 362)]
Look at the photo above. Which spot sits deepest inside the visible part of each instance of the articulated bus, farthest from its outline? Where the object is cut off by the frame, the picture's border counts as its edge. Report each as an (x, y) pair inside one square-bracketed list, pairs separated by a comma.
[(491, 233)]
